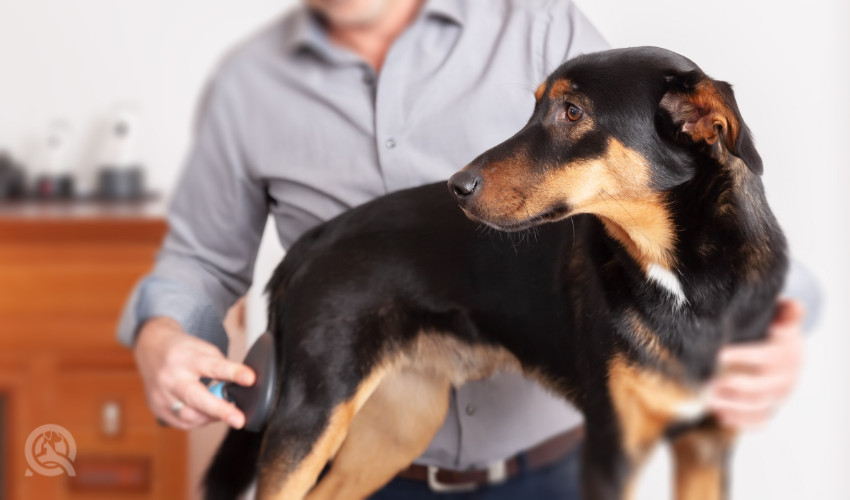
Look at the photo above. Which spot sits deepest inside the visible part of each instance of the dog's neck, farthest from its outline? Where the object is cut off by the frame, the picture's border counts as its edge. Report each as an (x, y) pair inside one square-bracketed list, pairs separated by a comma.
[(728, 220), (717, 221), (645, 229)]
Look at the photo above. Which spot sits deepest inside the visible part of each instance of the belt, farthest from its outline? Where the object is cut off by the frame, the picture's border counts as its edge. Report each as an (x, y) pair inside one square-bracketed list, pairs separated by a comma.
[(447, 481)]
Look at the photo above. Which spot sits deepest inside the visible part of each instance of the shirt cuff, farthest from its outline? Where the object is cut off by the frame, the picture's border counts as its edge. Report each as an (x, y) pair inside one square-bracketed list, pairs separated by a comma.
[(801, 285), (155, 296)]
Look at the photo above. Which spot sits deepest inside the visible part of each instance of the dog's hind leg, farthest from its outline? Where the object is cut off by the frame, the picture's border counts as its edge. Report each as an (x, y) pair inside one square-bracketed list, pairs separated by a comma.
[(701, 457), (296, 449), (391, 430)]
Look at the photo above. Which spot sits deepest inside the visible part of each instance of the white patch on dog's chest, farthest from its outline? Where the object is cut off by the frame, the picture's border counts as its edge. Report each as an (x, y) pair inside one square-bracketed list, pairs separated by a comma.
[(668, 281), (692, 409)]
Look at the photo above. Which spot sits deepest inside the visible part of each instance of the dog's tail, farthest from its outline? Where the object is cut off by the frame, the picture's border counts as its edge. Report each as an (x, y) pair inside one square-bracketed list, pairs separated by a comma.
[(234, 465)]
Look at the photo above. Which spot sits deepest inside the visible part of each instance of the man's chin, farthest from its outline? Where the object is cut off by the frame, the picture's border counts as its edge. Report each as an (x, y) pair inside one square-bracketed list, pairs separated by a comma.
[(342, 17)]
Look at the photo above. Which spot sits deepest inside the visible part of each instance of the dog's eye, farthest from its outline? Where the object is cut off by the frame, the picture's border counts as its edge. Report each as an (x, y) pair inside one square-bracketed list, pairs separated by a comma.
[(570, 113)]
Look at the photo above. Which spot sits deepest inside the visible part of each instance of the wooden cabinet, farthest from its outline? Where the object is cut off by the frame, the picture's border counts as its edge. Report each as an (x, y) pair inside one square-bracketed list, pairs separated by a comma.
[(63, 281)]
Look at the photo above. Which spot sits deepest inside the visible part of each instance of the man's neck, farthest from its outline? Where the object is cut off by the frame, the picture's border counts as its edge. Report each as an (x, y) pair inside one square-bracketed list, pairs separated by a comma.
[(373, 40)]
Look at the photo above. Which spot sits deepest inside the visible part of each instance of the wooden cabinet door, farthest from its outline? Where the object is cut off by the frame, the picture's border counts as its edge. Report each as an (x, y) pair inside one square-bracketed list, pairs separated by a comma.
[(63, 283)]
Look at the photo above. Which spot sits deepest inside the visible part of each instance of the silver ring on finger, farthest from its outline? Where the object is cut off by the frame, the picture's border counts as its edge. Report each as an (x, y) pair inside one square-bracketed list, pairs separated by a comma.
[(176, 407)]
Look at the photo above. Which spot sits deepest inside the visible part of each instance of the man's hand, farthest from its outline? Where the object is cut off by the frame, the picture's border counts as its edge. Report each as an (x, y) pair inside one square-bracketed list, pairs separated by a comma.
[(172, 362), (755, 378)]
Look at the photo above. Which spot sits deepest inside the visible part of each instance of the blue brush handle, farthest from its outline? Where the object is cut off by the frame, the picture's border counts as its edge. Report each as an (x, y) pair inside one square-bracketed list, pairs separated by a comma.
[(218, 391)]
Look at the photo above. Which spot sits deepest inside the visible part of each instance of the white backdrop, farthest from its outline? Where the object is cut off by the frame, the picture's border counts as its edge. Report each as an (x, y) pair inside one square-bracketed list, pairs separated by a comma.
[(74, 59)]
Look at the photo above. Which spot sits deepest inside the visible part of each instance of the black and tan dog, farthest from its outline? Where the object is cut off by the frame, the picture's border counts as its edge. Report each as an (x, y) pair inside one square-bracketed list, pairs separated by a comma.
[(666, 250)]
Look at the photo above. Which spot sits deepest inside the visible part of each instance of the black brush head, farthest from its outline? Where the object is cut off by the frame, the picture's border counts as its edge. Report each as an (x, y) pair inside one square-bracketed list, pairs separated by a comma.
[(256, 401)]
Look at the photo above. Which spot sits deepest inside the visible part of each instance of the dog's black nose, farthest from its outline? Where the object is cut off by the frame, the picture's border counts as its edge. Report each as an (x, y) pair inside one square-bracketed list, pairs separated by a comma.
[(464, 184)]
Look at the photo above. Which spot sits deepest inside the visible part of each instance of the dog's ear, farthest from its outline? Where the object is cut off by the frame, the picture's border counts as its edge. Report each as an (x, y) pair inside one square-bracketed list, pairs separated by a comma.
[(703, 110)]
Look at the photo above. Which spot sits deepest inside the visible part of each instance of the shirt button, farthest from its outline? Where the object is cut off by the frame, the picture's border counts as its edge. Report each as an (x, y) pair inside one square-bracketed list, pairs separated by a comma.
[(390, 144), (470, 410)]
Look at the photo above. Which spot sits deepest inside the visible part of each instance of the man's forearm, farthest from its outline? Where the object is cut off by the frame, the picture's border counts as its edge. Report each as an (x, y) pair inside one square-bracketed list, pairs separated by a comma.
[(159, 297)]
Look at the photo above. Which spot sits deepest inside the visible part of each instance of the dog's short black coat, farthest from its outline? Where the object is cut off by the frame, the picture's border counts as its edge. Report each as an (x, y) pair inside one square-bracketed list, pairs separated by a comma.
[(642, 242)]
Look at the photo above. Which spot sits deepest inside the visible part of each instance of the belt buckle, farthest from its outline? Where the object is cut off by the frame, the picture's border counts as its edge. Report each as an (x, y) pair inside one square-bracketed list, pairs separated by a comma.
[(436, 486), (497, 473)]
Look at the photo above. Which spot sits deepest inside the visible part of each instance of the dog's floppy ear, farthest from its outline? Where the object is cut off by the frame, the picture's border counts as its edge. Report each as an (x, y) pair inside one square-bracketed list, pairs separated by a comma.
[(703, 110)]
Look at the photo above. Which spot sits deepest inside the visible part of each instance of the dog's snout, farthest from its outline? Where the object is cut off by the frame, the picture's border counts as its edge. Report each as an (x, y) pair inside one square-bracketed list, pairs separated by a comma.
[(464, 184)]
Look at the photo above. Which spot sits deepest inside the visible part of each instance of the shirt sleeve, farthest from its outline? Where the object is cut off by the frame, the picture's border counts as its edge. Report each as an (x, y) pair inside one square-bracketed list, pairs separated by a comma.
[(568, 34), (216, 219)]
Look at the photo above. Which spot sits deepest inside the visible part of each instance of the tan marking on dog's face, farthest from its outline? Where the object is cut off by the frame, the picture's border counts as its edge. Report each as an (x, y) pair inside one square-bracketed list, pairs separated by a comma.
[(541, 91), (561, 96), (559, 88), (645, 402), (615, 187)]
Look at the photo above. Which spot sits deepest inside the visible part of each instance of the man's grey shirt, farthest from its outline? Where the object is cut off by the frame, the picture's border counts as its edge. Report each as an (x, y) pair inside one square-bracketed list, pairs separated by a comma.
[(295, 126)]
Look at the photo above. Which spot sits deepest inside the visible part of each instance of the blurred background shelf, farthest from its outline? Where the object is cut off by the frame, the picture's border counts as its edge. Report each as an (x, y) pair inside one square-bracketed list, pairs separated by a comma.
[(92, 211)]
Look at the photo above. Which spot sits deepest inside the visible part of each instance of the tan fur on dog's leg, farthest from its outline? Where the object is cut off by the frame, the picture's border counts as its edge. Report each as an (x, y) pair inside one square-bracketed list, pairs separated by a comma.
[(701, 457), (390, 431), (298, 483)]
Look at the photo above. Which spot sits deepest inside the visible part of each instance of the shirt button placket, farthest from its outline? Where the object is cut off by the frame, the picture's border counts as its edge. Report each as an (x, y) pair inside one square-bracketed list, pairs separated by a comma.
[(390, 114)]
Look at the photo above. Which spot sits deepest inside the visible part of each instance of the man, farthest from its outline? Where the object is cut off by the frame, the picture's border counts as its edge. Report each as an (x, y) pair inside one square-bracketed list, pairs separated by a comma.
[(343, 101)]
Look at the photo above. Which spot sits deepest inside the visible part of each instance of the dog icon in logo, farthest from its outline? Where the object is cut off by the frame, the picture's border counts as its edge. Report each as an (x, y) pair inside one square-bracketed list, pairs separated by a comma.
[(50, 451)]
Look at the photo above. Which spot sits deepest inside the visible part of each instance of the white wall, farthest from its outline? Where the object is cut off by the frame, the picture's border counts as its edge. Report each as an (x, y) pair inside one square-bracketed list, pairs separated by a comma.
[(75, 59), (789, 63)]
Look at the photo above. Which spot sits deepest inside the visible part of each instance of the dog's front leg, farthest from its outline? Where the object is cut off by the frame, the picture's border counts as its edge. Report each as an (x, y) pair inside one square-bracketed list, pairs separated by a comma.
[(626, 417), (701, 456), (607, 470)]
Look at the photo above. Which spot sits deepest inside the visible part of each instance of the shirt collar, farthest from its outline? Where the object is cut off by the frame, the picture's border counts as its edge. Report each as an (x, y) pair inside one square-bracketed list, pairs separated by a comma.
[(452, 10), (305, 32)]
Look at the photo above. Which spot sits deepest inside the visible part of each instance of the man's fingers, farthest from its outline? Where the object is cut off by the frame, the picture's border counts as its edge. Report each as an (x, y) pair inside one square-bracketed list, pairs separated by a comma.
[(750, 420), (187, 418), (744, 386), (754, 377), (161, 406), (754, 358), (743, 414), (223, 369), (199, 397), (744, 402), (762, 357), (194, 417), (741, 405)]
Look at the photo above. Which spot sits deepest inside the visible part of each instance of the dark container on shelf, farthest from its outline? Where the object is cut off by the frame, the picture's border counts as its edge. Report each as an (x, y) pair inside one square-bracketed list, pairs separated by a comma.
[(54, 187), (121, 183), (11, 179)]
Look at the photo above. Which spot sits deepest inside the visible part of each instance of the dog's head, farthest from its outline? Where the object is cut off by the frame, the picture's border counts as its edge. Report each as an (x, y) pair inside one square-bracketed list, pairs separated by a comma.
[(611, 133)]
